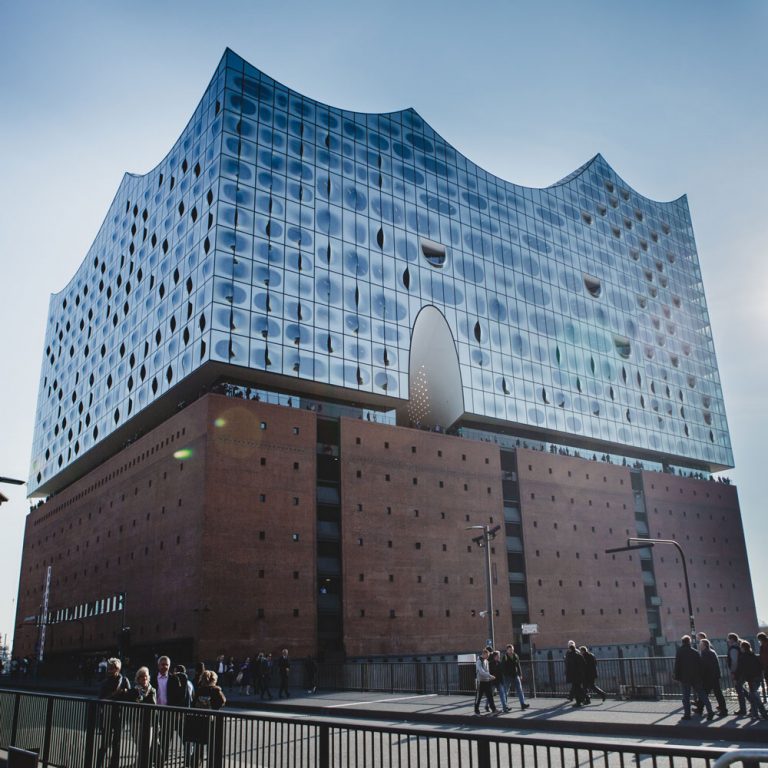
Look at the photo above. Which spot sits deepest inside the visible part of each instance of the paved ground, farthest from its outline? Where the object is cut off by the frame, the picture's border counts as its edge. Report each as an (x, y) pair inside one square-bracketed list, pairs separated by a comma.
[(652, 720)]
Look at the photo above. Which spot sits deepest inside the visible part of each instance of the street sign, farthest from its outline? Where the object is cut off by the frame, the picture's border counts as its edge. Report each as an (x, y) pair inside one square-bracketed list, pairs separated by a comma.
[(530, 629)]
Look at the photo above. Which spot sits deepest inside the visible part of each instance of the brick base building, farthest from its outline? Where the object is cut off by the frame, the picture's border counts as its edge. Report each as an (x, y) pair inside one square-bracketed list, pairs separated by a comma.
[(238, 526)]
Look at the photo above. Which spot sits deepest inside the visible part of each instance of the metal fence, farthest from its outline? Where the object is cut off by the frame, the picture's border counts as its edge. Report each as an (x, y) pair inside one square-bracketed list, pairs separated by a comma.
[(641, 677), (72, 731), (619, 677)]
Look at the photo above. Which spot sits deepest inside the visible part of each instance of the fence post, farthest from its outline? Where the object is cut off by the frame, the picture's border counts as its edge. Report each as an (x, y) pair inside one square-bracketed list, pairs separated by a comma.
[(48, 729), (483, 752), (15, 725), (216, 758), (92, 716), (146, 715), (324, 746)]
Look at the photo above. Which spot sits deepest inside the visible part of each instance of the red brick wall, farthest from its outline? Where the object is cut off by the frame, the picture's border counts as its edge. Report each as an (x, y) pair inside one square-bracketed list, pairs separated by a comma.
[(132, 525), (704, 518), (242, 572), (384, 505), (572, 510)]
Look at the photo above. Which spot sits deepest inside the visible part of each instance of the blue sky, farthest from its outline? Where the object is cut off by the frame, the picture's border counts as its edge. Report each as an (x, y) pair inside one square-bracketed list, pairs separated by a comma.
[(672, 94)]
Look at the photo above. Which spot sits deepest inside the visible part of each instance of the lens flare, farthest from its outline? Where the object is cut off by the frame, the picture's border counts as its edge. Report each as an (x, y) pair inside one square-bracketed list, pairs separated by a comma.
[(183, 453), (219, 422)]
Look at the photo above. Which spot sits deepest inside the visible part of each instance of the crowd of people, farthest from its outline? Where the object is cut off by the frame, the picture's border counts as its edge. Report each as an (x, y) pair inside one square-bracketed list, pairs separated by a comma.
[(697, 669), (167, 686)]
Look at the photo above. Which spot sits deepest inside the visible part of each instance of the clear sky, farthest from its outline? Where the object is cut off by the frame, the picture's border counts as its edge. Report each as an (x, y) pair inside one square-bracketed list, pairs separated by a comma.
[(673, 94)]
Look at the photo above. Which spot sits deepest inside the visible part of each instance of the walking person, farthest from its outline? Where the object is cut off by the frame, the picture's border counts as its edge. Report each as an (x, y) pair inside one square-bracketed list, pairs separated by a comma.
[(263, 672), (172, 691), (733, 653), (483, 679), (208, 696), (574, 674), (762, 639), (688, 673), (494, 667), (245, 677), (710, 674), (114, 688), (284, 670), (751, 672), (590, 673), (310, 674), (512, 673)]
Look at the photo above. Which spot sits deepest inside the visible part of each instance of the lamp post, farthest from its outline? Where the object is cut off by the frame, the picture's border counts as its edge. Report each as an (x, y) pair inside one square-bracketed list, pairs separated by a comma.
[(483, 540), (635, 543)]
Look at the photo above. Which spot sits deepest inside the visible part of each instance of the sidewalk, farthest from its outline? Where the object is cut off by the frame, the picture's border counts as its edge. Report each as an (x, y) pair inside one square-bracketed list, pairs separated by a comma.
[(630, 719)]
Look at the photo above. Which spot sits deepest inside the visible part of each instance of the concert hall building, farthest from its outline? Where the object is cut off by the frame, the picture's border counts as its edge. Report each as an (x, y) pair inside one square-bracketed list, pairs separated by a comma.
[(312, 347)]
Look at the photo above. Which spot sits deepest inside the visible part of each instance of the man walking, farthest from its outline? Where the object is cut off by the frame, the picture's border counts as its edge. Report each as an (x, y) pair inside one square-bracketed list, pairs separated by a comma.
[(484, 680), (687, 672), (734, 651), (283, 669), (574, 674), (710, 673), (172, 691), (512, 674), (590, 673)]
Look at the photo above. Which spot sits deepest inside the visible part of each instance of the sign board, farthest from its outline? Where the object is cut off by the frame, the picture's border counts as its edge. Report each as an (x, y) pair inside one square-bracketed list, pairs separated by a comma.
[(530, 629)]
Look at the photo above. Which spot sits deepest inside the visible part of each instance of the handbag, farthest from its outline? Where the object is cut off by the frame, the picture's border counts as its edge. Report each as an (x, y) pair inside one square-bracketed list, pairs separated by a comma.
[(239, 678)]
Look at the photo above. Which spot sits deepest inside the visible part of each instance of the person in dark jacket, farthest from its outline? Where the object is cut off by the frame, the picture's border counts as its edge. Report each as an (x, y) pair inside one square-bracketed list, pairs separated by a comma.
[(762, 638), (283, 669), (688, 673), (574, 674), (114, 688), (494, 667), (513, 675), (208, 696), (172, 691), (710, 676), (750, 672), (590, 673)]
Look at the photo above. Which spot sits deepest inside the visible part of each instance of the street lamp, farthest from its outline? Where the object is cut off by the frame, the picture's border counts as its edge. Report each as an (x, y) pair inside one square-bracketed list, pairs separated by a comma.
[(483, 540), (646, 543)]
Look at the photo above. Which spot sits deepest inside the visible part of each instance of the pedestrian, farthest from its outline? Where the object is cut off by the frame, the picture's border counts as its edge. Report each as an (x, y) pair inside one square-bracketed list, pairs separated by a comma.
[(284, 670), (208, 696), (310, 674), (762, 638), (199, 672), (483, 679), (688, 672), (512, 673), (114, 688), (734, 650), (590, 673), (751, 672), (143, 692), (245, 677), (221, 670), (494, 667), (172, 691), (574, 674), (710, 673), (263, 674)]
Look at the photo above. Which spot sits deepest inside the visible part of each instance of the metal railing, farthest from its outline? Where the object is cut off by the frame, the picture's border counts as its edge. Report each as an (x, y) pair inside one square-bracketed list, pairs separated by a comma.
[(87, 733), (625, 677), (641, 677)]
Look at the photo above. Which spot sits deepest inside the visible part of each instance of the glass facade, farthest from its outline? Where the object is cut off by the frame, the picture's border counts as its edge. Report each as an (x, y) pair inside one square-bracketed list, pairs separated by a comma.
[(285, 236)]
